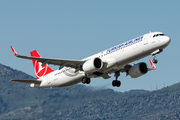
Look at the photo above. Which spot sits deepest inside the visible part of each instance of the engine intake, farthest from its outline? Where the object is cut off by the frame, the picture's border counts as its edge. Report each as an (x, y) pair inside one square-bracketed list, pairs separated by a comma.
[(138, 70), (92, 65)]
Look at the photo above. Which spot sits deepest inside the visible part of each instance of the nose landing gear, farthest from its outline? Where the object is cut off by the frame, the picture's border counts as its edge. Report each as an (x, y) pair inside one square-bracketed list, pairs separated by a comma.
[(154, 60), (154, 53)]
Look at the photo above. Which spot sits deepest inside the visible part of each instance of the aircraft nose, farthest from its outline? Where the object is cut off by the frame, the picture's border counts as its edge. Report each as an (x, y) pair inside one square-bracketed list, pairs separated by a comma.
[(167, 40)]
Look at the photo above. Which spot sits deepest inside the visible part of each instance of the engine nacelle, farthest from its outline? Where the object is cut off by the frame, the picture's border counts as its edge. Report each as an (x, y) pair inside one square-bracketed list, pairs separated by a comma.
[(34, 85), (92, 65), (138, 70)]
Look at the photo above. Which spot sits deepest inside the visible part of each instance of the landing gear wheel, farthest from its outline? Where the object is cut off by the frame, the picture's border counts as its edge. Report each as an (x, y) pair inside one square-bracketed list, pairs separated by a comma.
[(116, 83), (155, 61), (86, 80)]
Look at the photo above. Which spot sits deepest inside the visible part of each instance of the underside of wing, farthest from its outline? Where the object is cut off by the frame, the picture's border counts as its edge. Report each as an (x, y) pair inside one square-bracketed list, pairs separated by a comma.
[(27, 81)]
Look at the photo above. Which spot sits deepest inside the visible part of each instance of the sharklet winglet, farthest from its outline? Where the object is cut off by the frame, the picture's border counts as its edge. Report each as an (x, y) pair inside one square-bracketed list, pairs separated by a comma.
[(15, 53), (152, 65)]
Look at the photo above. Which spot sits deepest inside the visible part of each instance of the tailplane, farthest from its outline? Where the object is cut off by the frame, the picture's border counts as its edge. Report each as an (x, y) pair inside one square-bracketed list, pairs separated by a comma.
[(40, 70)]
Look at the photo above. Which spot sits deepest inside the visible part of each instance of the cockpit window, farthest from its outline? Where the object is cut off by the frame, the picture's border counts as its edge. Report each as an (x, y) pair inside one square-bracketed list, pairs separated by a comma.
[(158, 35), (161, 34)]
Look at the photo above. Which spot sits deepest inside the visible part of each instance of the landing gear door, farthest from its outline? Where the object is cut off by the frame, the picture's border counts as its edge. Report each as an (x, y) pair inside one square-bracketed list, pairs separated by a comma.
[(145, 39)]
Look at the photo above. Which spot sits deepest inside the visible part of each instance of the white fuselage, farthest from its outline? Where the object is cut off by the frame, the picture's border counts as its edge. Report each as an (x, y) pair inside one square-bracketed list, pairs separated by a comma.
[(117, 58)]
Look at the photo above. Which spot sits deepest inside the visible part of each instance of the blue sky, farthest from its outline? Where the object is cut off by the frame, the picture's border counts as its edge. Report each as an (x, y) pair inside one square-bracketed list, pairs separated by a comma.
[(77, 29)]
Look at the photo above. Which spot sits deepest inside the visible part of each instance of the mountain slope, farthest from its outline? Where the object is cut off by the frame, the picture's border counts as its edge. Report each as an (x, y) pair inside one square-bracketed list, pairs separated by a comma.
[(18, 101)]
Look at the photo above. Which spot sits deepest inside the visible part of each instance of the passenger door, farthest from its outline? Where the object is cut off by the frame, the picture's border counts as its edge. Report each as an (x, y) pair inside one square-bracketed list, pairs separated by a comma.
[(145, 39)]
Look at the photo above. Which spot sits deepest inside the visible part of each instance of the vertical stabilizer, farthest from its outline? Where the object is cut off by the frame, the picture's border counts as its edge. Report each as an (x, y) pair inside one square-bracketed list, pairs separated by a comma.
[(40, 70)]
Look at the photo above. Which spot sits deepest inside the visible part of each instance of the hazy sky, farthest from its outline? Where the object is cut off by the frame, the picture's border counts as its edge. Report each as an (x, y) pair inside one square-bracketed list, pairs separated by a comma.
[(77, 29)]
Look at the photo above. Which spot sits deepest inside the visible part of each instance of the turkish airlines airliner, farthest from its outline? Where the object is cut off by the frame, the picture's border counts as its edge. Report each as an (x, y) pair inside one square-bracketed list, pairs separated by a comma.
[(113, 60)]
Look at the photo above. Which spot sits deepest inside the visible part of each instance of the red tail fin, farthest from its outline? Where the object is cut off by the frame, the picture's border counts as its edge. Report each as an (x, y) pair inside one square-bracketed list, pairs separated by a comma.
[(39, 69)]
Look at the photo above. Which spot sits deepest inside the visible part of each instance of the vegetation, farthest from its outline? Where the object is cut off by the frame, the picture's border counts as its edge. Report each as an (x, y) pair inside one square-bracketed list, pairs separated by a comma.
[(19, 101)]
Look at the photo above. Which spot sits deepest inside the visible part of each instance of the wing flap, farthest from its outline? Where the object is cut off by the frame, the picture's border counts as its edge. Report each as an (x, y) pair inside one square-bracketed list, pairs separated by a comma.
[(27, 81)]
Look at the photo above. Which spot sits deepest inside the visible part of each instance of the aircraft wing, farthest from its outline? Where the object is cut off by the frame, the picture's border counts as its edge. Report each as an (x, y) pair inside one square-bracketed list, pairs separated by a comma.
[(27, 81), (62, 62)]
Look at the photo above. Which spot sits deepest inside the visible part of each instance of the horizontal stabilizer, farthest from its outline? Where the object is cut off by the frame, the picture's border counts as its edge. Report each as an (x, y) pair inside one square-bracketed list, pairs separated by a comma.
[(27, 81)]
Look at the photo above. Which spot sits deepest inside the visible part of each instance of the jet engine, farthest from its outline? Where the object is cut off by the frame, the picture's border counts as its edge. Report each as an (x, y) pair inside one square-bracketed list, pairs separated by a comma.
[(138, 70), (92, 65)]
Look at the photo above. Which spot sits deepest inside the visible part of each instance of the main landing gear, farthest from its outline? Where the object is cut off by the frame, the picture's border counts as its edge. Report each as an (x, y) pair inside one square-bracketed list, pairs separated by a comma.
[(116, 82), (86, 80)]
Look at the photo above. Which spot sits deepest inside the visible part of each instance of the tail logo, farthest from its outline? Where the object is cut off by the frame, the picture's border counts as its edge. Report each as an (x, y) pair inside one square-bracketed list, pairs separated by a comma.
[(39, 69)]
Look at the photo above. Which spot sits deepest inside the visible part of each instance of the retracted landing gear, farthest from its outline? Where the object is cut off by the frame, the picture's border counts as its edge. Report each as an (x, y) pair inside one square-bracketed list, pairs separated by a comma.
[(116, 82)]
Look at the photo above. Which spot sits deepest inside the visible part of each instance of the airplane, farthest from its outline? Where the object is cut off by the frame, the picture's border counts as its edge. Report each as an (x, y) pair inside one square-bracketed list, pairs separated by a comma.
[(113, 60)]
